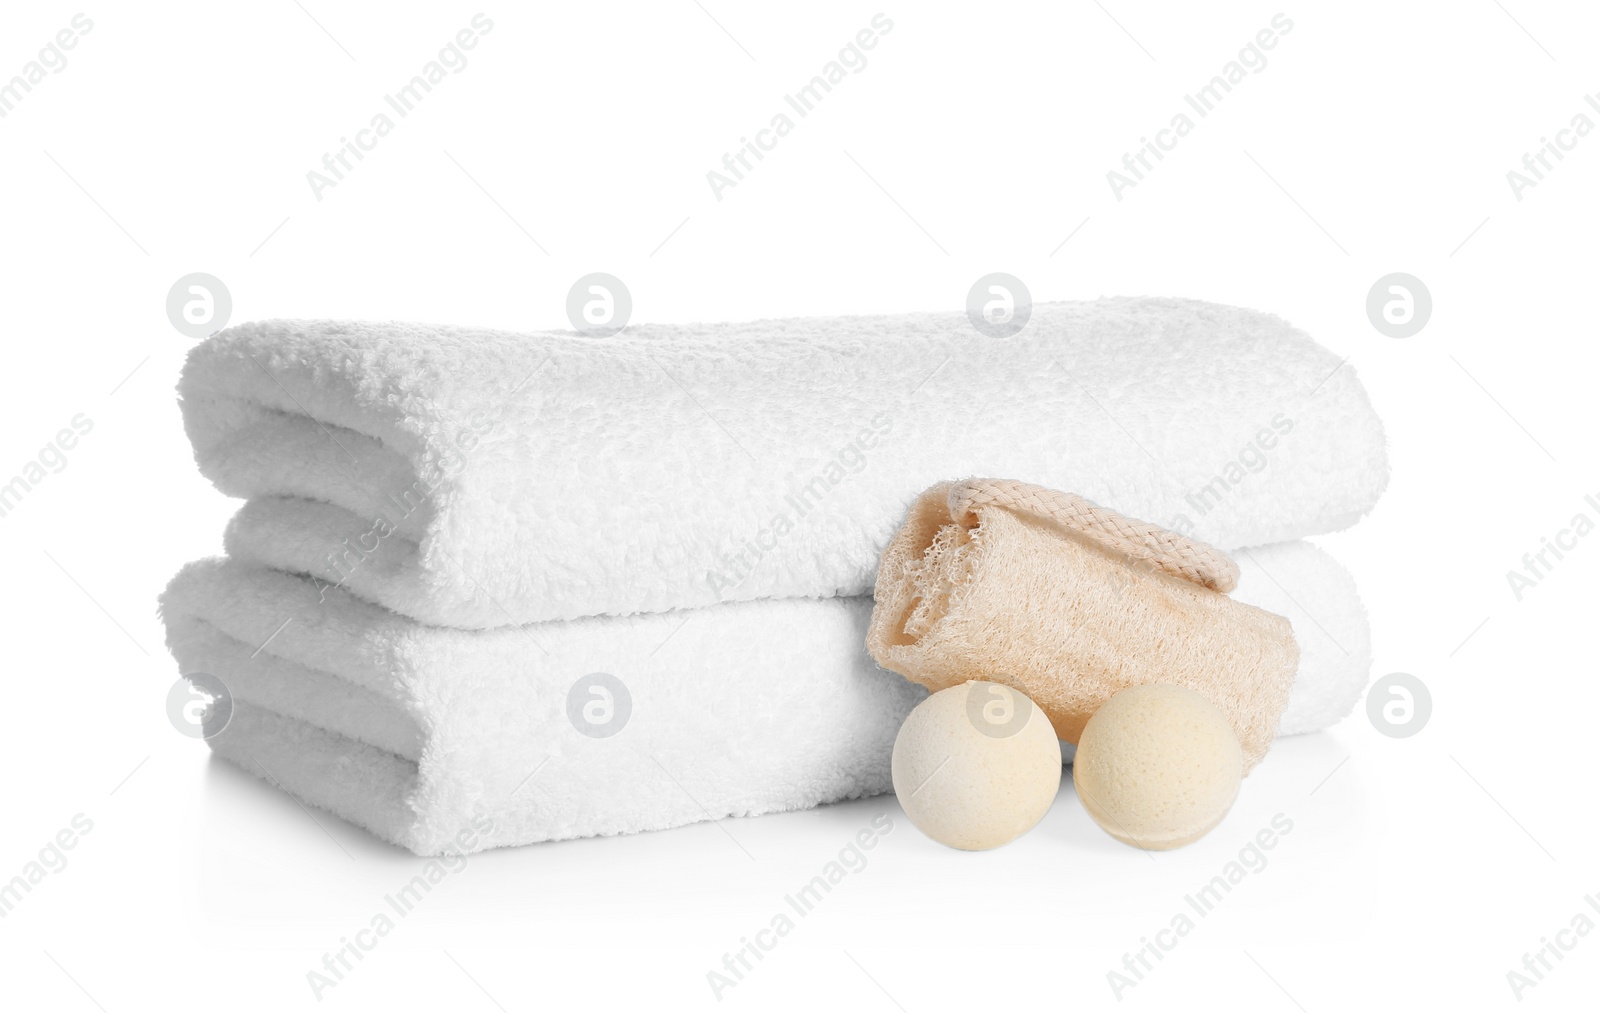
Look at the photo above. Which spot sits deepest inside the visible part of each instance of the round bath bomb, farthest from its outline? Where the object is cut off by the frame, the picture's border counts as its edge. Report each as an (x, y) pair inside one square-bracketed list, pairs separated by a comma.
[(976, 765), (1158, 766)]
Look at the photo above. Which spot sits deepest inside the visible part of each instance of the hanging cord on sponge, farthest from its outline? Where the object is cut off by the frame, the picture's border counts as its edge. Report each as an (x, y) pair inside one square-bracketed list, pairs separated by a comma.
[(1141, 541)]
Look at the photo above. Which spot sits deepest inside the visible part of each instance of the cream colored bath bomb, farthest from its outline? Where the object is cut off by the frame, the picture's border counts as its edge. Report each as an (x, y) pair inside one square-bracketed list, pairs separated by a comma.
[(1158, 766), (976, 765)]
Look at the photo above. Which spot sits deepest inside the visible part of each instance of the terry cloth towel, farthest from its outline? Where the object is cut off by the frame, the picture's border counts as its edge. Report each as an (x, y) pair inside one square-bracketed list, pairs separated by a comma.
[(530, 477), (1070, 604), (418, 733)]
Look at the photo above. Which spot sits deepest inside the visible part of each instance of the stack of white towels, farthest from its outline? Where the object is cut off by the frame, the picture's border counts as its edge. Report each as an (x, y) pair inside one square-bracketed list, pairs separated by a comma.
[(548, 586)]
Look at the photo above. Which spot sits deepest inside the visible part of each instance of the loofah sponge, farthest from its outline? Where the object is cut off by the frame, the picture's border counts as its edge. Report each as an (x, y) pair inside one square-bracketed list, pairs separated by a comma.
[(1070, 603)]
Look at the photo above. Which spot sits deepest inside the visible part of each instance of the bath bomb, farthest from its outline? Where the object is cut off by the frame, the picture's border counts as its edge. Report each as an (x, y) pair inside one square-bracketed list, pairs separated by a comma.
[(1158, 766), (976, 765)]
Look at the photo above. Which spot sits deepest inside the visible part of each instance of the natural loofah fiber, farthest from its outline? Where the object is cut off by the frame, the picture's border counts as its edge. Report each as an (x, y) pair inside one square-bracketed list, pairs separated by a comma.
[(982, 582)]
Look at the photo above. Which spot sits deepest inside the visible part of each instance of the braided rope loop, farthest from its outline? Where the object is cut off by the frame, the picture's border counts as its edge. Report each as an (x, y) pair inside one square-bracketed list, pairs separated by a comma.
[(1141, 541)]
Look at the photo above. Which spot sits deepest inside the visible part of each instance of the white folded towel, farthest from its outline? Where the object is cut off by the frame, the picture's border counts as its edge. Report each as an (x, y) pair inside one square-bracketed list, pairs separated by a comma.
[(523, 478), (416, 731), (419, 733), (1318, 596)]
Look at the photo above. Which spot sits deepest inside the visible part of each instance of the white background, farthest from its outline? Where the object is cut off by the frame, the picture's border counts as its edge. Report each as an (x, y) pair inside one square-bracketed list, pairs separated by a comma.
[(1376, 139)]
